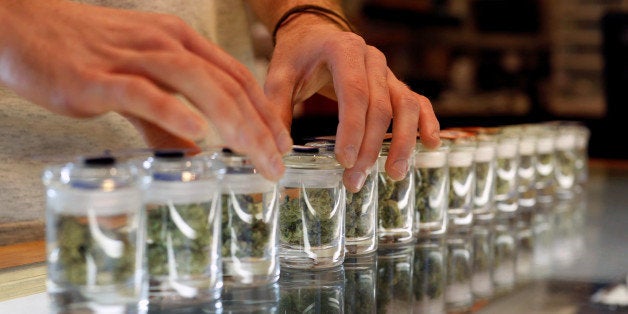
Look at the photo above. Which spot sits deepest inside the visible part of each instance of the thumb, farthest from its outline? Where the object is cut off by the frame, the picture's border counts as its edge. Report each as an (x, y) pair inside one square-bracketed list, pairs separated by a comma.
[(279, 89)]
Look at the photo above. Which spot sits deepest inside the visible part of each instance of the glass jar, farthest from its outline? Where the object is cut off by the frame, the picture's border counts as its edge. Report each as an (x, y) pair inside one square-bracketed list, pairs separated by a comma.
[(312, 291), (361, 211), (311, 210), (94, 236), (485, 170), (395, 203), (183, 228), (566, 158), (431, 190), (394, 279), (360, 283), (428, 282), (250, 204), (545, 164), (461, 178), (526, 171), (507, 165)]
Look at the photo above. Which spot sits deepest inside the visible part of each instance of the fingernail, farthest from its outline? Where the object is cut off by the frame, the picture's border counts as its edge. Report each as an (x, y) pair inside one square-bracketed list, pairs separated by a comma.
[(351, 155), (276, 163), (356, 180), (401, 167), (285, 142)]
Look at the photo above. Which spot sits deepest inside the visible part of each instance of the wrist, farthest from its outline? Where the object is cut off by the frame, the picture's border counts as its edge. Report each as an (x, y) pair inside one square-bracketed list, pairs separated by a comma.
[(309, 15)]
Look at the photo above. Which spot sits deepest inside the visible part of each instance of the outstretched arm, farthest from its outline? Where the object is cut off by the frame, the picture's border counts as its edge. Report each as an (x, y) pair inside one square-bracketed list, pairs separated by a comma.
[(317, 54)]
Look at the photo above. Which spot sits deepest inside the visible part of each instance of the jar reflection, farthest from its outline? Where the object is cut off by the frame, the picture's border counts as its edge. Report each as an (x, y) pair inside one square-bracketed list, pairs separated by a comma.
[(428, 279), (312, 291), (394, 280), (360, 283)]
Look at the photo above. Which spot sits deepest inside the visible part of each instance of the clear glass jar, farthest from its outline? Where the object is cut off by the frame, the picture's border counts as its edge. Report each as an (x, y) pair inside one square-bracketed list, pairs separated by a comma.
[(431, 190), (546, 161), (247, 299), (361, 211), (461, 178), (429, 274), (481, 280), (183, 228), (94, 236), (394, 279), (485, 169), (566, 158), (526, 171), (458, 292), (250, 205), (312, 291), (395, 203), (360, 283), (507, 165), (311, 210)]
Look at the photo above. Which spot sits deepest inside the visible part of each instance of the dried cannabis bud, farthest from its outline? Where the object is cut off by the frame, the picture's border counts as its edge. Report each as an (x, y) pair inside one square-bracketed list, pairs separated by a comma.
[(252, 237), (357, 218), (390, 193), (78, 249), (187, 229), (506, 176), (312, 209), (428, 182)]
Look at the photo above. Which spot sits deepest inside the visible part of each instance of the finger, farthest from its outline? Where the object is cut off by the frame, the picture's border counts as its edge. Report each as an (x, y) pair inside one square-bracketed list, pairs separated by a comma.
[(378, 119), (279, 88), (221, 99), (405, 104), (429, 127), (156, 137), (352, 90), (221, 59), (140, 98)]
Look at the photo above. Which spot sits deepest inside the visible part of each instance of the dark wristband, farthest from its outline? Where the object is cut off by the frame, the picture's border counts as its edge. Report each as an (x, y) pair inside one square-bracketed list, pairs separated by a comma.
[(326, 13)]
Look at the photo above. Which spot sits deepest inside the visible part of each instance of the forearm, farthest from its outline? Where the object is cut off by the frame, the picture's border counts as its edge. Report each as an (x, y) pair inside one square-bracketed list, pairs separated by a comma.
[(270, 11)]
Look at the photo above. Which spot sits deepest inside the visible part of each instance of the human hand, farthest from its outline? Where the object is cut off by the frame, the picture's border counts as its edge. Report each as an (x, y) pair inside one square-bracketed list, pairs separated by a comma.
[(313, 55), (82, 61)]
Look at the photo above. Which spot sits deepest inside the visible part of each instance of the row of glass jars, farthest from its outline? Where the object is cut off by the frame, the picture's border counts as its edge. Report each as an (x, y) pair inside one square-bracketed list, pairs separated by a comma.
[(175, 217)]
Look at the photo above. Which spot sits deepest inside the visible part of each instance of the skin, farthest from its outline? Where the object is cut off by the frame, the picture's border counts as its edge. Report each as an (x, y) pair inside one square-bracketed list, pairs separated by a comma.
[(314, 55), (83, 61)]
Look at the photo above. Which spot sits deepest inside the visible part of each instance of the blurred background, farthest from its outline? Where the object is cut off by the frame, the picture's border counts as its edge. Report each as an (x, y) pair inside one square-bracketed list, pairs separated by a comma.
[(497, 62)]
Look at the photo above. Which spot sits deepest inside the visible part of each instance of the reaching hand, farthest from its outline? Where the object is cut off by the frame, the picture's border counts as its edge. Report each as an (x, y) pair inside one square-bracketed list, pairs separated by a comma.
[(82, 61), (313, 55)]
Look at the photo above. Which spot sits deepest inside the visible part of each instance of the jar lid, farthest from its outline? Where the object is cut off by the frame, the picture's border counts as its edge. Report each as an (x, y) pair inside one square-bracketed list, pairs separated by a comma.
[(95, 173), (177, 166), (308, 157)]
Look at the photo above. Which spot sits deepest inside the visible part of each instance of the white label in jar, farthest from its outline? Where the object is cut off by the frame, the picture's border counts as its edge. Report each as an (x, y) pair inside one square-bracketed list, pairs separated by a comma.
[(565, 142), (545, 145), (507, 149), (484, 153), (526, 146)]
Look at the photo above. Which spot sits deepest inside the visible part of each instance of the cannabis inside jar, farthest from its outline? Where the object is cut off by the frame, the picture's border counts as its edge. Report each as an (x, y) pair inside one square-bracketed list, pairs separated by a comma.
[(361, 211), (395, 202), (93, 231), (183, 221), (312, 210), (249, 223)]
